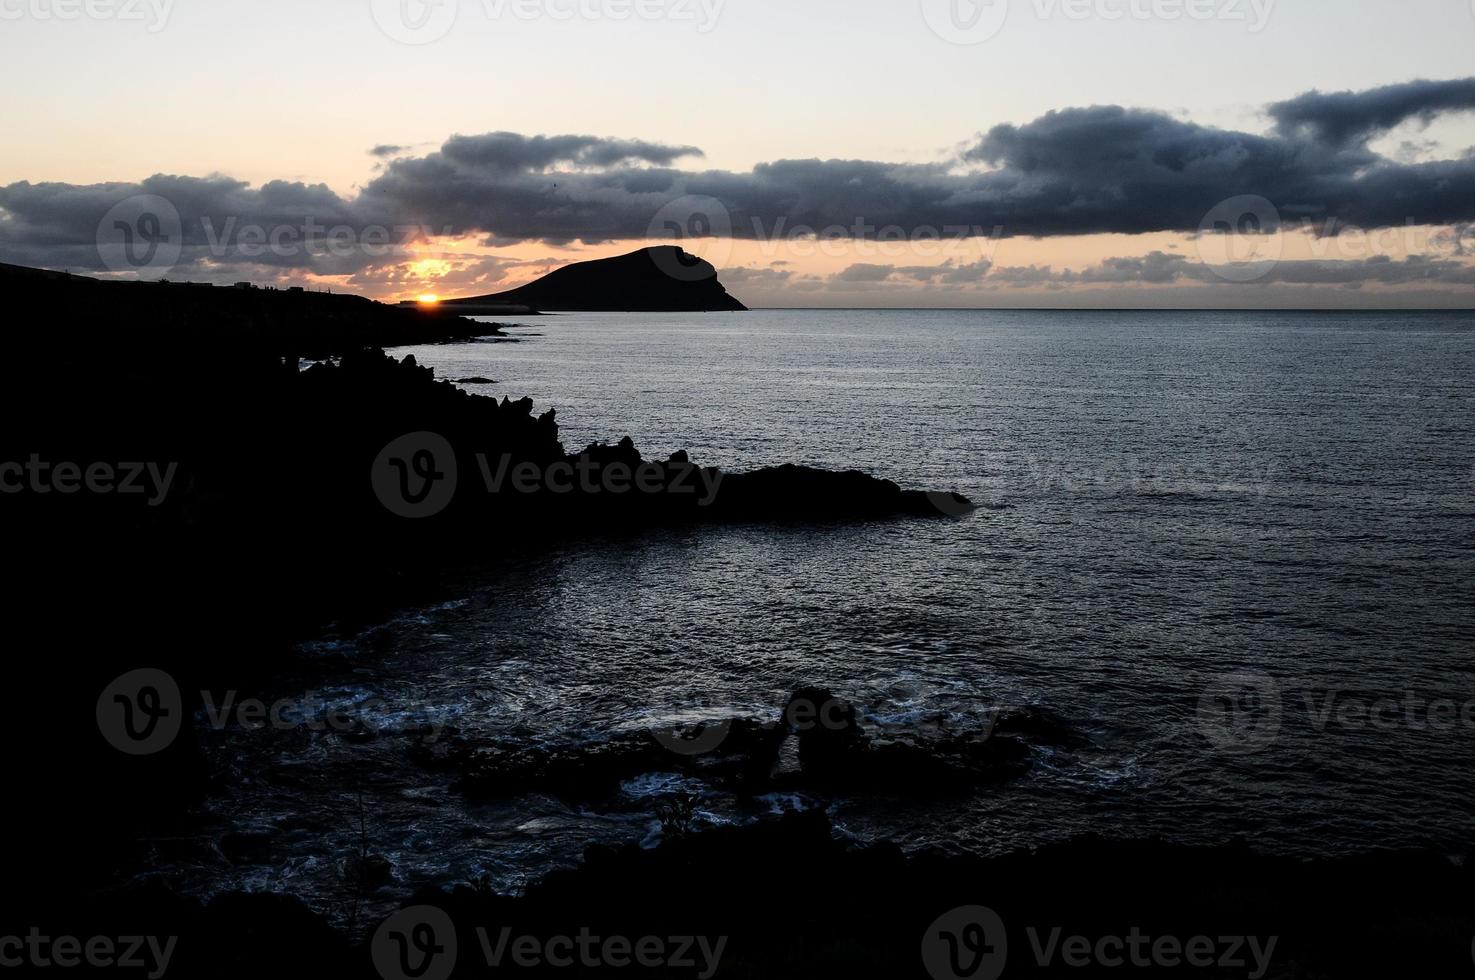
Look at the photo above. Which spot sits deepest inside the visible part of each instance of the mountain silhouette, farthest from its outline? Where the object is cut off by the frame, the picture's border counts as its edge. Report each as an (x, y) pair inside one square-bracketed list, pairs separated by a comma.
[(661, 279)]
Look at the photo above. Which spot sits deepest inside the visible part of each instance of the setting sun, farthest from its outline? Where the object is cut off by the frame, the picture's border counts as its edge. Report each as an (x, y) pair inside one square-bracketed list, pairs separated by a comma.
[(428, 299)]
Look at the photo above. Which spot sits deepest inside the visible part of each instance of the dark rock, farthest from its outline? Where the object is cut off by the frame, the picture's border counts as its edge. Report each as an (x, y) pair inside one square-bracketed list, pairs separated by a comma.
[(817, 744), (367, 872), (661, 279), (245, 847)]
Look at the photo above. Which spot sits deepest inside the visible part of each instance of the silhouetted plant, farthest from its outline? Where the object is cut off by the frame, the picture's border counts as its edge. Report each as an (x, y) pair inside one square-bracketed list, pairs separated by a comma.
[(676, 814)]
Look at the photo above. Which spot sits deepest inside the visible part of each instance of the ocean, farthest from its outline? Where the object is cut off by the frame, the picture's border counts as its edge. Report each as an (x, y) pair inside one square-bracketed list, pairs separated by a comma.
[(1235, 551)]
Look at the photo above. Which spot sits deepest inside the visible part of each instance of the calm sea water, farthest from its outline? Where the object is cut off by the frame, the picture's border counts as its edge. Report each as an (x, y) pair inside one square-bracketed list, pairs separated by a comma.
[(1168, 498)]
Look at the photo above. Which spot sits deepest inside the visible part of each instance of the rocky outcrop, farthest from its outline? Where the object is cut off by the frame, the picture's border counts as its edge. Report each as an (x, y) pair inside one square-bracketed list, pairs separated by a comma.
[(663, 279), (244, 498), (835, 754), (131, 321), (789, 897)]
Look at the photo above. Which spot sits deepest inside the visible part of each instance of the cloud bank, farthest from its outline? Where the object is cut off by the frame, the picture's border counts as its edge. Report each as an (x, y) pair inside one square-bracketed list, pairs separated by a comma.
[(1077, 171)]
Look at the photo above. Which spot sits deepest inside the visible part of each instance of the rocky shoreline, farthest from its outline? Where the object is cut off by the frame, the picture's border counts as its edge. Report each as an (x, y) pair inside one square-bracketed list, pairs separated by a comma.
[(194, 500), (816, 744), (787, 897), (275, 499)]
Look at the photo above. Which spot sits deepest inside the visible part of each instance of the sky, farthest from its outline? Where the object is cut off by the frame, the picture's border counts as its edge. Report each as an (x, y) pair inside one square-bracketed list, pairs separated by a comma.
[(867, 153)]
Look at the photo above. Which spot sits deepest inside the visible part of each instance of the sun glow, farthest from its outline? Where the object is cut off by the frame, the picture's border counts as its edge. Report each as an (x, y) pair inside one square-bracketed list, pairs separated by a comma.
[(427, 299)]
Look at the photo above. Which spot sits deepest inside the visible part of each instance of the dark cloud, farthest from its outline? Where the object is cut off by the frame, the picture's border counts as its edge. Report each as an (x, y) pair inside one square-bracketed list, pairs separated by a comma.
[(948, 273), (387, 150), (866, 272), (1074, 171), (498, 152), (747, 274), (216, 222), (1160, 268), (1343, 118)]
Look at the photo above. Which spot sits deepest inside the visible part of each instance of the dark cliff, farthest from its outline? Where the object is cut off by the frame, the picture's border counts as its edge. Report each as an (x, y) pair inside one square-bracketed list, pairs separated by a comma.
[(664, 279)]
